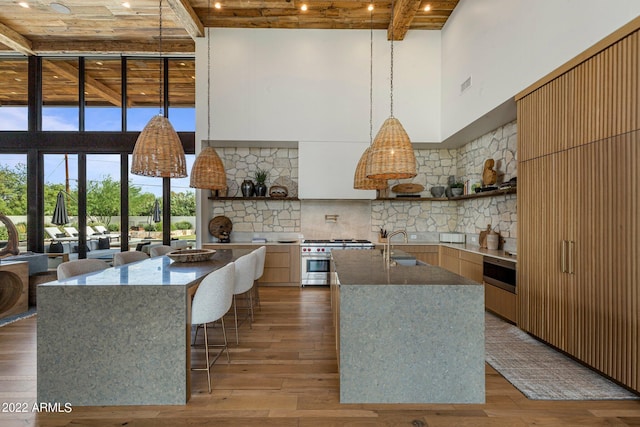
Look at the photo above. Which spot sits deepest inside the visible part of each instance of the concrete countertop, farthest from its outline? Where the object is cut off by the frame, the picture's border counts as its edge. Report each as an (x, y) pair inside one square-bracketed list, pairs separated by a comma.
[(156, 271), (368, 268), (476, 249)]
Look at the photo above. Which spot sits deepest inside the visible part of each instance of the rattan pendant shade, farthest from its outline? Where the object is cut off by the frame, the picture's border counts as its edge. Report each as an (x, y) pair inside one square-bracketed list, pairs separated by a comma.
[(158, 151), (392, 155), (360, 180), (208, 171)]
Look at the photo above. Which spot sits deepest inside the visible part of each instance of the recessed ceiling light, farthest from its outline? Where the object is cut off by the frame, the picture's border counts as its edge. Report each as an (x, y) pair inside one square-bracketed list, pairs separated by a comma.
[(427, 8), (24, 4), (217, 5), (99, 63), (60, 8), (182, 64), (370, 8), (142, 93), (126, 4), (193, 77), (18, 79), (303, 7)]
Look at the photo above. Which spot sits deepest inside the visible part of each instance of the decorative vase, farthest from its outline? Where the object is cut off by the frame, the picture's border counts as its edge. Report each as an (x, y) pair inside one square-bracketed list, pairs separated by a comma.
[(457, 191), (247, 188), (261, 189)]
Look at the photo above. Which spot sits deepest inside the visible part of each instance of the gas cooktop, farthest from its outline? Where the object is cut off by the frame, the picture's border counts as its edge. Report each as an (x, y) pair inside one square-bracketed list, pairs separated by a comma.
[(325, 241)]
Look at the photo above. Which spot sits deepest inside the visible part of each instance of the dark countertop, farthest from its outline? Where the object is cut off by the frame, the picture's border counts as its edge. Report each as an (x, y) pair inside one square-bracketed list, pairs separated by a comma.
[(368, 268)]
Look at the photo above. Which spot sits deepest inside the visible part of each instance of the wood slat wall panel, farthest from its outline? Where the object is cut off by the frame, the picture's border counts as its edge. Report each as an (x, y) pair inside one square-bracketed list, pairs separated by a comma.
[(577, 144)]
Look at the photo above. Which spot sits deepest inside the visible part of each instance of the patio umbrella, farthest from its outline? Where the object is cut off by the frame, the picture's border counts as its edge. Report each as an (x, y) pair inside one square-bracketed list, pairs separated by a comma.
[(157, 217), (60, 216)]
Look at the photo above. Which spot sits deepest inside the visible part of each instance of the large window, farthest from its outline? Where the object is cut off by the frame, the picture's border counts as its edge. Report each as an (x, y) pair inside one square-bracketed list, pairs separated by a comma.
[(143, 91), (182, 112), (13, 95), (103, 94), (13, 195), (60, 108)]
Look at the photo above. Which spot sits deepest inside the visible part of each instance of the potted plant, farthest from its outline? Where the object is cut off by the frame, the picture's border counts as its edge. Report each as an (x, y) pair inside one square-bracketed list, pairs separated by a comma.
[(261, 186), (457, 188)]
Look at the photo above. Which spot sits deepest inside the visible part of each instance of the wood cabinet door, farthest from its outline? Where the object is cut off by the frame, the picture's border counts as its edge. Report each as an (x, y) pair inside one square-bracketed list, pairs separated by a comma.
[(544, 222), (607, 250)]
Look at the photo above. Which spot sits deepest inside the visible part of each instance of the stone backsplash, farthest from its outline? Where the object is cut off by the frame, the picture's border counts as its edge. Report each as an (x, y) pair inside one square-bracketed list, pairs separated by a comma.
[(363, 219), (464, 216)]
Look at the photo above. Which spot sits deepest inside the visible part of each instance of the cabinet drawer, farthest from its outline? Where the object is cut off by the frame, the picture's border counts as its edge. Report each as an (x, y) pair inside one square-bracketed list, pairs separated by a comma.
[(445, 251), (471, 257)]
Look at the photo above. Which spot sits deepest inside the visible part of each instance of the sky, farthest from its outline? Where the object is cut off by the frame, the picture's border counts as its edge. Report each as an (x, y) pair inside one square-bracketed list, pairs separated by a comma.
[(99, 166)]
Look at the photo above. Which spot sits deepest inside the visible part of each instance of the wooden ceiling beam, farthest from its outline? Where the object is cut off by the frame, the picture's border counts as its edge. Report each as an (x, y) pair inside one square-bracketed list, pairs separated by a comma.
[(14, 40), (70, 72), (187, 17), (403, 13), (184, 47)]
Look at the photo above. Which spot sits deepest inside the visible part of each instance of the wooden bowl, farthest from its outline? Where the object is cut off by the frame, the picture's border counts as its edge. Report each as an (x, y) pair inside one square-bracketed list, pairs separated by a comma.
[(191, 255)]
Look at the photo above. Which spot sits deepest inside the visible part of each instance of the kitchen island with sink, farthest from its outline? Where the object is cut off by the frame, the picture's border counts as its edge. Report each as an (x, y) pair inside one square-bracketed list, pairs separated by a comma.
[(406, 334)]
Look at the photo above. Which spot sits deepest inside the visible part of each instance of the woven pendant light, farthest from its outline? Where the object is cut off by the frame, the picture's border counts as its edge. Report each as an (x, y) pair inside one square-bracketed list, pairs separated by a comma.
[(158, 151), (392, 155), (208, 170), (360, 180)]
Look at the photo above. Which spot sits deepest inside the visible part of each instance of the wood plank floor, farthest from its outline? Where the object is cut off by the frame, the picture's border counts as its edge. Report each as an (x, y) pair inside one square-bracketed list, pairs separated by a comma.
[(283, 374)]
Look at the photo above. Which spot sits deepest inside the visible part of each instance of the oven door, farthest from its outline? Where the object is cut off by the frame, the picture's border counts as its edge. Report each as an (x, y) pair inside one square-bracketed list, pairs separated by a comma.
[(500, 273), (315, 270)]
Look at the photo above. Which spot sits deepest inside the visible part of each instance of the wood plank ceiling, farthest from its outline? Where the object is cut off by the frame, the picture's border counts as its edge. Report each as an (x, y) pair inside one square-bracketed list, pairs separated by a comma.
[(44, 27), (109, 27)]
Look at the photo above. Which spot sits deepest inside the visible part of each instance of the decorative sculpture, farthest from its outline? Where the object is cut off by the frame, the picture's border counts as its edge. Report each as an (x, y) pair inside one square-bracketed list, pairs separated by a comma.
[(489, 176), (12, 244)]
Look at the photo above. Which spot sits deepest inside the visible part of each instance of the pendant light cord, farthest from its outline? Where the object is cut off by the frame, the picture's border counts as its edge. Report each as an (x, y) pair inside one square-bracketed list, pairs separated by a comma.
[(161, 109), (208, 74), (391, 74), (371, 79)]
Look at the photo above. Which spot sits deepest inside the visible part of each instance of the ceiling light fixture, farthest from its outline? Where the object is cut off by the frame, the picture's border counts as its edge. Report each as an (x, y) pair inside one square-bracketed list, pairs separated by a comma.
[(360, 180), (217, 5), (303, 8), (208, 171), (427, 8), (126, 4), (60, 8), (392, 155), (158, 151), (24, 4)]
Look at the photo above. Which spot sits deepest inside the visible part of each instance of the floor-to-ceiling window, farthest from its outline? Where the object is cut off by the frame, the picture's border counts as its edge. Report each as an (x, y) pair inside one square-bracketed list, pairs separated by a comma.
[(86, 117)]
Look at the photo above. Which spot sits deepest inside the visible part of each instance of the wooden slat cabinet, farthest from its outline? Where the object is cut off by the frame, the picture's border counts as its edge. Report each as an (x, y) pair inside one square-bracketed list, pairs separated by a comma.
[(281, 264), (579, 212)]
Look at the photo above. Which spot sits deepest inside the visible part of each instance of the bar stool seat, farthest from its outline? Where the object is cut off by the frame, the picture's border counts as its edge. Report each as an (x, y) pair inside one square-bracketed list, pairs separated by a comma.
[(211, 302)]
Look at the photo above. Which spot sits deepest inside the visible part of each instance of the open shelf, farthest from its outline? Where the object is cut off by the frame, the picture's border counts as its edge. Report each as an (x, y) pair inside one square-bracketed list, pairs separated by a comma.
[(480, 195), (252, 198)]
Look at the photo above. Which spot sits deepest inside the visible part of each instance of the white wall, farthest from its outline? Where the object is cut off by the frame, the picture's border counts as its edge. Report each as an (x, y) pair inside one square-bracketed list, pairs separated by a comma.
[(506, 45), (313, 85)]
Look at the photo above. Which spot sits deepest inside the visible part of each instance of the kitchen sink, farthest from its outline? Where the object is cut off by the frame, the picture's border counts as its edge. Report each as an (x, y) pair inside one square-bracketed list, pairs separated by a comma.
[(404, 259)]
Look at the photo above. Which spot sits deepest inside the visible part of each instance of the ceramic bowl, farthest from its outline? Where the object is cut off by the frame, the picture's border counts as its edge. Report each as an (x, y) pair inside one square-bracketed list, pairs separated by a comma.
[(437, 191)]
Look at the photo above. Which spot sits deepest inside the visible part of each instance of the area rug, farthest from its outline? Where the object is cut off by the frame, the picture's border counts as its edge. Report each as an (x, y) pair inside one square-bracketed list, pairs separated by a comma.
[(10, 319), (540, 372)]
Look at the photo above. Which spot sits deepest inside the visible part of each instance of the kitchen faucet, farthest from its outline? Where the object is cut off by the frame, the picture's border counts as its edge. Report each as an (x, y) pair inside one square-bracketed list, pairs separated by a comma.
[(387, 246)]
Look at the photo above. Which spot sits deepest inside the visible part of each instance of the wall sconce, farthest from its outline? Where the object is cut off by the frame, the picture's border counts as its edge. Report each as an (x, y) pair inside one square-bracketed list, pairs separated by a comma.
[(331, 218)]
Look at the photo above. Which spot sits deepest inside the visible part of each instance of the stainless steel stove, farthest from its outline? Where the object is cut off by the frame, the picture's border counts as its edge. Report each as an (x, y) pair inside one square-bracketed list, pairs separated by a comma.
[(316, 258)]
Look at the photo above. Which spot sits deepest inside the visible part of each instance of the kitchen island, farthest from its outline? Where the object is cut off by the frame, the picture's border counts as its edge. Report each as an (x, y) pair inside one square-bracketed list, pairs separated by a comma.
[(406, 334), (120, 336)]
